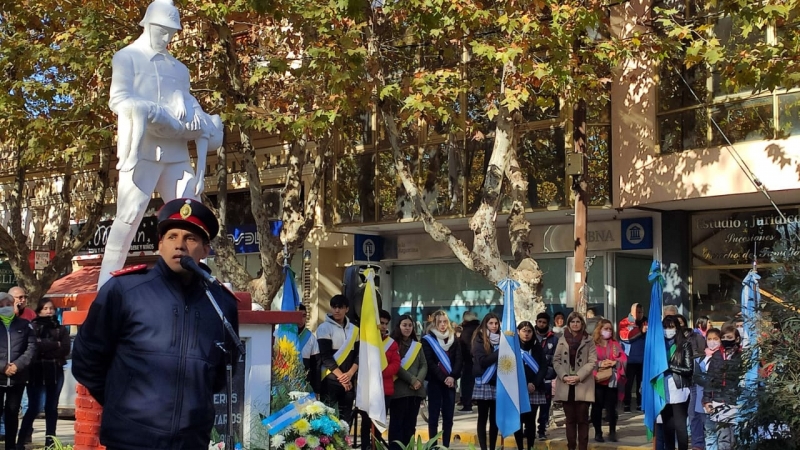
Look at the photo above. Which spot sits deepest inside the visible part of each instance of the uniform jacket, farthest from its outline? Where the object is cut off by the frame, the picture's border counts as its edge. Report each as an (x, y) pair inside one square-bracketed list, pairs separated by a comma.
[(52, 343), (392, 366), (585, 361), (548, 343), (697, 341), (436, 372), (330, 338), (139, 73), (148, 353), (722, 377), (482, 359), (417, 371), (18, 346)]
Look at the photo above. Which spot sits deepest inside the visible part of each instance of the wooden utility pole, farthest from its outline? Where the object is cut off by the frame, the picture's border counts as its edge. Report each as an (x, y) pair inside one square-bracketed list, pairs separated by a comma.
[(578, 166)]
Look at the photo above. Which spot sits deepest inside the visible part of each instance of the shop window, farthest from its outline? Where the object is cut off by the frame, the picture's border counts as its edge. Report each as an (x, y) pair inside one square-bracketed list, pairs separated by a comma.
[(355, 193)]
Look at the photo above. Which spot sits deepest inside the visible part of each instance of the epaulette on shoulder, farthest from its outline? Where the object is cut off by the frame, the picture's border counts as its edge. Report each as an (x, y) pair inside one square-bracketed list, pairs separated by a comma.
[(139, 268)]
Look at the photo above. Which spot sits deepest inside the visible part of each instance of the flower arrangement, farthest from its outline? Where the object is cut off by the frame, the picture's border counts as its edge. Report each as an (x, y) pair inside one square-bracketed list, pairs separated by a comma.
[(288, 373), (318, 428)]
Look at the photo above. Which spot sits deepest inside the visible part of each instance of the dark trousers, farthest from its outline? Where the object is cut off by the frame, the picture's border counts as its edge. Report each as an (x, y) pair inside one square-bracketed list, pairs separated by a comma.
[(486, 413), (441, 399), (467, 387), (334, 395), (577, 424), (36, 393), (674, 417), (604, 398), (11, 398), (403, 424), (527, 429), (544, 414), (634, 373), (696, 421)]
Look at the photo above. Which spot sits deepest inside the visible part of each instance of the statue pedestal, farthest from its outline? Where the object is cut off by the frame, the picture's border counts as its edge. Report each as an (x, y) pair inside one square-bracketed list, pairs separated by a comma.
[(251, 385)]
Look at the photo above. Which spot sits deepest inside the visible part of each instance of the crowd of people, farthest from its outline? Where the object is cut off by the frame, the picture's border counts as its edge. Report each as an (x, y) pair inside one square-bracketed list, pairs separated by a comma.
[(581, 363), (34, 351)]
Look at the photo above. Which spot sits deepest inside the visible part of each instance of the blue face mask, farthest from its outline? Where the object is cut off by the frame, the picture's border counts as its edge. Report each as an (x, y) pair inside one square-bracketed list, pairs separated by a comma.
[(631, 319), (7, 311)]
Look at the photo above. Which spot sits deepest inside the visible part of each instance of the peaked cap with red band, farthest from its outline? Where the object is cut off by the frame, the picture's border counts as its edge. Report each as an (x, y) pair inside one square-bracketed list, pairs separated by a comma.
[(187, 214)]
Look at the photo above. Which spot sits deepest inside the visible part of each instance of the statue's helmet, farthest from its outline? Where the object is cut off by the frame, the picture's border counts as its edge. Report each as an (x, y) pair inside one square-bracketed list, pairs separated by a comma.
[(162, 12)]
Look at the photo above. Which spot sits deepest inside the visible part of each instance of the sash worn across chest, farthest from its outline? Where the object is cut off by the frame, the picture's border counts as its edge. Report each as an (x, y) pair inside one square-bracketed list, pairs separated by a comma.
[(529, 361), (410, 356), (344, 350), (305, 335), (440, 353)]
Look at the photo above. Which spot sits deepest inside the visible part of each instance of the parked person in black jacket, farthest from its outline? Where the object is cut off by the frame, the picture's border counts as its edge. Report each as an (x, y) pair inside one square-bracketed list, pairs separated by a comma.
[(677, 384), (443, 356), (547, 341), (46, 372), (468, 327), (148, 352), (17, 350)]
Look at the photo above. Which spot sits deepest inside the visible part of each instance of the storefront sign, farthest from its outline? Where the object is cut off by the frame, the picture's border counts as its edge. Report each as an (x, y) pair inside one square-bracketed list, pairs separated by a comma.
[(637, 233), (145, 239), (560, 238), (367, 248), (740, 236), (237, 400), (7, 277)]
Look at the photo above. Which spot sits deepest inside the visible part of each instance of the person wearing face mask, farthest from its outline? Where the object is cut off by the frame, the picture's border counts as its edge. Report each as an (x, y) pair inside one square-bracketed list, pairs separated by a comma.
[(408, 388), (720, 395), (677, 381), (548, 341), (700, 378), (46, 371), (485, 346), (698, 342), (17, 351), (632, 332), (606, 388)]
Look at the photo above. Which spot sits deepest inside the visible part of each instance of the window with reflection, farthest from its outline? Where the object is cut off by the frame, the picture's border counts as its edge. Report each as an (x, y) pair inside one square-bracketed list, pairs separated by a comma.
[(541, 155), (692, 98)]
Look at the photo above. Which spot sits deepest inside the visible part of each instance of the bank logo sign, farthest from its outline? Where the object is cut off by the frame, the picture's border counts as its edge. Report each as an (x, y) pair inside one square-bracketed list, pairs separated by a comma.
[(637, 233)]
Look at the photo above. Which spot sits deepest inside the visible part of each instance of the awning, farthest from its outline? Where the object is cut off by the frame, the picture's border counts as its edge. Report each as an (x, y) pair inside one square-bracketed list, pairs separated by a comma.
[(78, 287)]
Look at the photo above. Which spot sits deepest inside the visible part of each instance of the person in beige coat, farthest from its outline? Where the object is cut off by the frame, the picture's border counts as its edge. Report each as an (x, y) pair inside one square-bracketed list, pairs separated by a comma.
[(574, 363)]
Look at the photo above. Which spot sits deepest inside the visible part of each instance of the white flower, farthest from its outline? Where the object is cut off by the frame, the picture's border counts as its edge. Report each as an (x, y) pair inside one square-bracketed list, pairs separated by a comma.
[(216, 446), (277, 441), (345, 426), (296, 395), (312, 441)]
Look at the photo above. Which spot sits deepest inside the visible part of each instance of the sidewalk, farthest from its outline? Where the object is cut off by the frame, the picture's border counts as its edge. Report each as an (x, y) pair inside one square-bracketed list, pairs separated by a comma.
[(631, 433), (65, 432)]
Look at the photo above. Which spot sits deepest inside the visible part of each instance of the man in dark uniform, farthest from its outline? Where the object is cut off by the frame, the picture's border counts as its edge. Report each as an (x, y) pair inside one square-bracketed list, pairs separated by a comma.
[(148, 349)]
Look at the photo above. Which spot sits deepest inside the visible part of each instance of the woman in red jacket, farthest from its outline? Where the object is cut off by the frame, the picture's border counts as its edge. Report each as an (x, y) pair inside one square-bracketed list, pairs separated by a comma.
[(392, 357)]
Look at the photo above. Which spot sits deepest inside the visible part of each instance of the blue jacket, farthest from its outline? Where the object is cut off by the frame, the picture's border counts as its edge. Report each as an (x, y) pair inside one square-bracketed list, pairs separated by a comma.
[(147, 352)]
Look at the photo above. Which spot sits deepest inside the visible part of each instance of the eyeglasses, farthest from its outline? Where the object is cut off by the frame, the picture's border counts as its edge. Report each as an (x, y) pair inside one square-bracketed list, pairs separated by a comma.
[(18, 297)]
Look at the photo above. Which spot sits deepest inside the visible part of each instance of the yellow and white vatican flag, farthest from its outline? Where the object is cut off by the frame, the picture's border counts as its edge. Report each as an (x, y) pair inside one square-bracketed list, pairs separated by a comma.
[(371, 358)]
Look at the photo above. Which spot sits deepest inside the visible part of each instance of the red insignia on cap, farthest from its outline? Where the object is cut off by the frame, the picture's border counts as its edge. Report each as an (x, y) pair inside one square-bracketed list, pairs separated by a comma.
[(130, 269)]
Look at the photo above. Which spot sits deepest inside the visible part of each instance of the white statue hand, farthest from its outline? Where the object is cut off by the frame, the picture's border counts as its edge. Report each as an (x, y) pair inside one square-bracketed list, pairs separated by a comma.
[(200, 183), (195, 123)]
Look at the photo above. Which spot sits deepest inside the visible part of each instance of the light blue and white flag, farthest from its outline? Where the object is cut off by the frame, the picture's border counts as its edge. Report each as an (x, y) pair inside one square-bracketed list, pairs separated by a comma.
[(512, 391)]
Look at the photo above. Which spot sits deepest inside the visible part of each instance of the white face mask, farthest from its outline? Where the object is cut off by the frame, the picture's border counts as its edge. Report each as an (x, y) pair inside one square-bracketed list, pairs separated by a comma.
[(606, 334), (713, 345), (557, 329), (669, 333)]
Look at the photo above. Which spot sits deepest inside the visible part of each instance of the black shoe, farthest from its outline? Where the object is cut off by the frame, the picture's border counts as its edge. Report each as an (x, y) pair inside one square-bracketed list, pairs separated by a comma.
[(465, 410), (612, 436), (599, 438), (542, 436), (626, 409)]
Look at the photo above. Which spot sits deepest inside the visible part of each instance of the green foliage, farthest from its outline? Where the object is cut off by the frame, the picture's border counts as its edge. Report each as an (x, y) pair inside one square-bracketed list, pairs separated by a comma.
[(778, 397)]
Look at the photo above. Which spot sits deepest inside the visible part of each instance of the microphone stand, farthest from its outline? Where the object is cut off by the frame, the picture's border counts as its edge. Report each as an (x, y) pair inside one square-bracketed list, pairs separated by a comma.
[(229, 443)]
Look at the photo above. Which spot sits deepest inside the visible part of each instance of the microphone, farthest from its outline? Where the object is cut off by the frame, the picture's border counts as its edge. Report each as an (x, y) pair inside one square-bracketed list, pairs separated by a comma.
[(188, 263)]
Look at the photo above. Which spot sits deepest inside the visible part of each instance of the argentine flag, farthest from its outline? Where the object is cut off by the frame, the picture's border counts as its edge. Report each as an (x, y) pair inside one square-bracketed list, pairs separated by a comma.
[(512, 390)]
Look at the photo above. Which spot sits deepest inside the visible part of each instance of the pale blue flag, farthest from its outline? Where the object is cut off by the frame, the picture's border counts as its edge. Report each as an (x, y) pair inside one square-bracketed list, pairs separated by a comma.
[(512, 390)]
